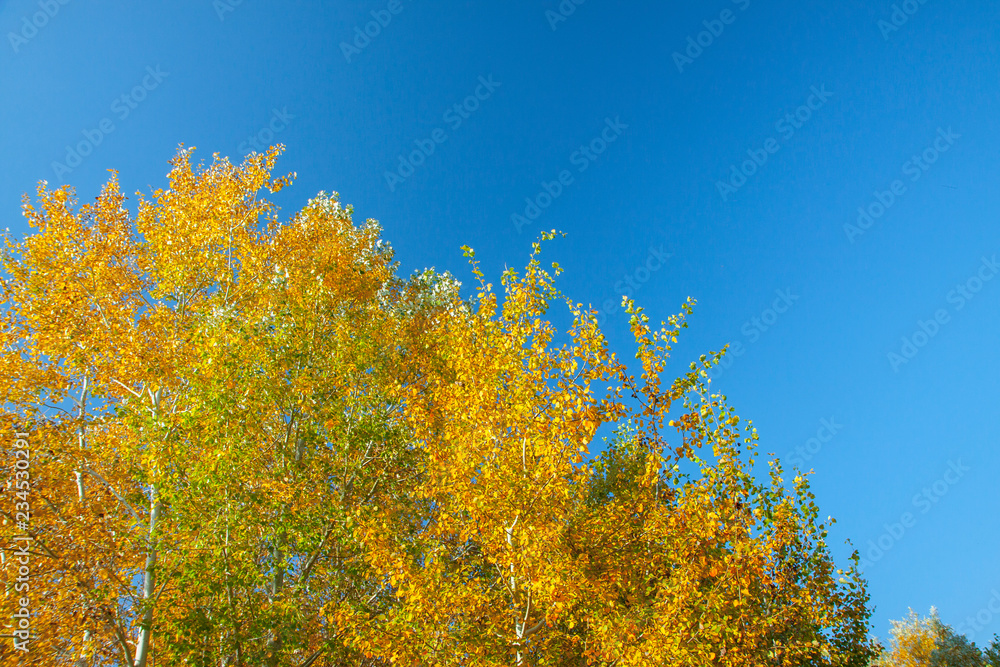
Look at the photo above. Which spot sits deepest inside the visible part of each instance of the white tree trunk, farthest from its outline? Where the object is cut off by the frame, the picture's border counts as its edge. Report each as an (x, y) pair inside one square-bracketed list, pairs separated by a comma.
[(148, 586)]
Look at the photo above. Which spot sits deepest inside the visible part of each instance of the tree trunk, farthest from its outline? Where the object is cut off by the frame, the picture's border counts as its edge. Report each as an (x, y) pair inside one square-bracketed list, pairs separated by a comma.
[(148, 586)]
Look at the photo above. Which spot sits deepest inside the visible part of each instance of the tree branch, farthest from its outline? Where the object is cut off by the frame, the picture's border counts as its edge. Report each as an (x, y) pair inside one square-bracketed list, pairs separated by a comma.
[(124, 502)]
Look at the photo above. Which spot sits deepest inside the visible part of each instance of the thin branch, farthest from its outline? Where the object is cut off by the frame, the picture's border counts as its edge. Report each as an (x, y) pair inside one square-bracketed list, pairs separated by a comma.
[(312, 560), (533, 629), (130, 390), (311, 659), (124, 502), (122, 641)]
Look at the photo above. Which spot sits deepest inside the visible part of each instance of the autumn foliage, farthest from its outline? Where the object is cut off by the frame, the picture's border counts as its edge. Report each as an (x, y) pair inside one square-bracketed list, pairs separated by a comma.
[(928, 642), (253, 443)]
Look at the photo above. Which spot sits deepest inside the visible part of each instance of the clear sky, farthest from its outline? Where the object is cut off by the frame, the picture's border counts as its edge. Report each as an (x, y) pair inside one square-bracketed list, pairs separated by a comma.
[(720, 151)]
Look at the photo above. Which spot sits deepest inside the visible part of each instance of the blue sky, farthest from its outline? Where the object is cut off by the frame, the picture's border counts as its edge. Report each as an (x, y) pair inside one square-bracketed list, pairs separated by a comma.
[(730, 168)]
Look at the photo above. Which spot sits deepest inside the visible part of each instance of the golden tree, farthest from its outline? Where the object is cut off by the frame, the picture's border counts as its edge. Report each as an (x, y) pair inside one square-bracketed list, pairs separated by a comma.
[(204, 389), (920, 642), (528, 553)]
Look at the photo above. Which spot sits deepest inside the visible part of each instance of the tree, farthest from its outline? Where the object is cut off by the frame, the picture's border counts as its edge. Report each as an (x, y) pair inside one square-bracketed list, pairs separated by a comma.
[(528, 554), (992, 652), (927, 641), (251, 443), (205, 394)]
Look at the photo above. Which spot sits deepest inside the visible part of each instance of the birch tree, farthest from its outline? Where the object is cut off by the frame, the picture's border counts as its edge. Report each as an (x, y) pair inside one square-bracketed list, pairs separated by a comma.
[(665, 549), (206, 391)]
